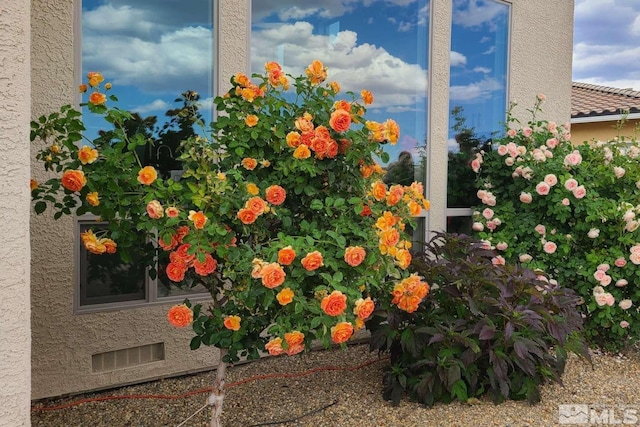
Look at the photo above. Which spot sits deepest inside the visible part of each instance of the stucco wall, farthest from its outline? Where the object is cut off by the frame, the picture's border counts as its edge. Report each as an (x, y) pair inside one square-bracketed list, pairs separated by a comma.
[(63, 342), (15, 347), (602, 131)]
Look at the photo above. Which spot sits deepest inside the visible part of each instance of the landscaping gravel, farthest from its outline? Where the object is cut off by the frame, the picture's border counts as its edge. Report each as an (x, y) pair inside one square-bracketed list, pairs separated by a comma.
[(344, 397)]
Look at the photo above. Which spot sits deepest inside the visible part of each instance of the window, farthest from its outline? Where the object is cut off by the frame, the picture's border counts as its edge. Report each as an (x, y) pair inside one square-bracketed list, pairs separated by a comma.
[(157, 55), (379, 46), (478, 97)]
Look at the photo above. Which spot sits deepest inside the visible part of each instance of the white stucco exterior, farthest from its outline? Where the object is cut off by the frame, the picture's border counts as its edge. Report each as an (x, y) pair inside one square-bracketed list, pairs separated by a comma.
[(63, 342), (15, 101)]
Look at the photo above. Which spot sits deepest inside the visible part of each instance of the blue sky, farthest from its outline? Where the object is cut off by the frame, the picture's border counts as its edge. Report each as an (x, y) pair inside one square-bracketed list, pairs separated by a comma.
[(162, 47)]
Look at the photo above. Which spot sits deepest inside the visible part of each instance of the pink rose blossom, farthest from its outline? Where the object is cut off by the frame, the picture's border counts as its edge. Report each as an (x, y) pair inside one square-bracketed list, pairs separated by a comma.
[(551, 179), (543, 188), (481, 194), (566, 136), (548, 154), (477, 226), (635, 249), (619, 172), (486, 244), (579, 192), (522, 150), (550, 247), (631, 226), (497, 220), (593, 233), (511, 133), (635, 258), (541, 229), (502, 246), (598, 290), (552, 127), (525, 258), (502, 150), (573, 159), (599, 275), (628, 215), (625, 304), (552, 143), (571, 184), (606, 280), (621, 283), (509, 161), (490, 201), (491, 225), (624, 324), (475, 165), (512, 148), (498, 260), (538, 155), (525, 197), (527, 131), (610, 299), (620, 262), (565, 202), (527, 173), (603, 267), (487, 213), (601, 299)]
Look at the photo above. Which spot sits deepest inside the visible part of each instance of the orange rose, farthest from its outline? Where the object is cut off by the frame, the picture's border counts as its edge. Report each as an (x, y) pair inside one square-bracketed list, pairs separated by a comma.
[(403, 258), (249, 163), (246, 216), (241, 79), (94, 78), (391, 131), (302, 152), (367, 97), (286, 255), (285, 296), (354, 255), (364, 308), (272, 275), (293, 139), (73, 180), (275, 195), (304, 123), (366, 170), (312, 261), (274, 347), (172, 212), (342, 105), (93, 199), (83, 88), (199, 219), (341, 332), (414, 208), (206, 267), (180, 316), (87, 155), (175, 271), (379, 190), (332, 148), (95, 247), (387, 220), (33, 184), (295, 342), (147, 175), (389, 237), (232, 322), (154, 210), (334, 304), (109, 245), (335, 86), (251, 120), (256, 205), (316, 72), (183, 253), (97, 98), (340, 120), (343, 146)]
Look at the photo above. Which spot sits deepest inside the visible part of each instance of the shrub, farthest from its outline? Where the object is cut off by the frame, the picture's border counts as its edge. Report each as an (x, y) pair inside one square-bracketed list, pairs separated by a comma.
[(485, 328), (570, 211)]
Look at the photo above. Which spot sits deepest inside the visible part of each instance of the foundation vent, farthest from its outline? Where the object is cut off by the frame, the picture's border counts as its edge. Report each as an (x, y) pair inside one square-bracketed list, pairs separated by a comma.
[(127, 357)]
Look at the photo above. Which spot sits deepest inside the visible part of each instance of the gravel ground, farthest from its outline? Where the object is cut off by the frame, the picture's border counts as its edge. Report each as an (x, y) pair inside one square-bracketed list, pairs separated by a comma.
[(354, 396)]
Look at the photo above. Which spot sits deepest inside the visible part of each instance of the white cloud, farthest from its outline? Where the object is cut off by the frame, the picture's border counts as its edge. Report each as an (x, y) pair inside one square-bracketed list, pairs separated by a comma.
[(483, 70), (457, 59), (452, 145), (489, 51), (157, 105), (476, 90), (478, 13)]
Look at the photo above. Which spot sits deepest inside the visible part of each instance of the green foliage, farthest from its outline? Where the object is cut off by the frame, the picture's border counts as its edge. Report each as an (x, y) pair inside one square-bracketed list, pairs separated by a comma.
[(484, 329), (571, 212)]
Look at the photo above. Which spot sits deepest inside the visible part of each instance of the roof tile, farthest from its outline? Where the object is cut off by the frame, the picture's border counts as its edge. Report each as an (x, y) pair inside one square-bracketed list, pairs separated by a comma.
[(588, 100)]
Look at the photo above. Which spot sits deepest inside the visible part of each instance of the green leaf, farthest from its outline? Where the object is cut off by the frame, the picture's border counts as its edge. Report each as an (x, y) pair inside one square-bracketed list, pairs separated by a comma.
[(195, 342), (459, 390), (40, 207)]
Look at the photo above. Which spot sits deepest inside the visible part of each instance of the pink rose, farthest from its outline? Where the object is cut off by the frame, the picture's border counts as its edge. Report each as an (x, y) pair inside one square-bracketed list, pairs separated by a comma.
[(512, 148), (603, 267), (571, 184), (624, 324), (490, 201), (551, 179), (527, 131), (511, 133), (635, 249), (573, 159), (621, 283), (540, 229), (565, 202), (543, 188), (566, 136), (498, 260), (620, 262), (525, 197), (610, 300), (502, 246), (502, 150), (601, 299), (606, 280), (509, 161), (579, 192), (477, 226), (552, 143), (593, 233), (625, 304), (631, 226), (550, 247), (552, 127), (487, 213), (619, 172), (599, 275), (525, 258), (475, 165), (635, 258), (541, 97), (491, 225)]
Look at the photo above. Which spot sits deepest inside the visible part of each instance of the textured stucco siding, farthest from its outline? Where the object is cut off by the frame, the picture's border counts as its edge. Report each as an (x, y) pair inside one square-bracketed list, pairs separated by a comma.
[(15, 339), (63, 342)]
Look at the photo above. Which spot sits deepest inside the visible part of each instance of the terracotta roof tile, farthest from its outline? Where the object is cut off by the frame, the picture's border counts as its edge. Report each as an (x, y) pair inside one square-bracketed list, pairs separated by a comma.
[(588, 100)]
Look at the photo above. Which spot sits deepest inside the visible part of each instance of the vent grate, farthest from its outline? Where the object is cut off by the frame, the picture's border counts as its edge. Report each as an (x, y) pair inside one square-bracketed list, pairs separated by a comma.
[(127, 357)]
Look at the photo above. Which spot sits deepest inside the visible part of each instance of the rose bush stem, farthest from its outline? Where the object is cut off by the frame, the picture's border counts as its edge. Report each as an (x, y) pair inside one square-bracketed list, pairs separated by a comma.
[(217, 393)]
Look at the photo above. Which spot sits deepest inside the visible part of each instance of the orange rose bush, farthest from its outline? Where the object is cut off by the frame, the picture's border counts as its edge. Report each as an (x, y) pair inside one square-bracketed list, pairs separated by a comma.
[(280, 210)]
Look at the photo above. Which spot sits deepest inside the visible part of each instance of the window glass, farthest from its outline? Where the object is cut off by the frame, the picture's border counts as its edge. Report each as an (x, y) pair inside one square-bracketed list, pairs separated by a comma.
[(158, 54), (377, 45), (478, 89)]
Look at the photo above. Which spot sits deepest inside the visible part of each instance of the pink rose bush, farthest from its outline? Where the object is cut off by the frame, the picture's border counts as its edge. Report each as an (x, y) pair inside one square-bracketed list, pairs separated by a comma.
[(570, 210)]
